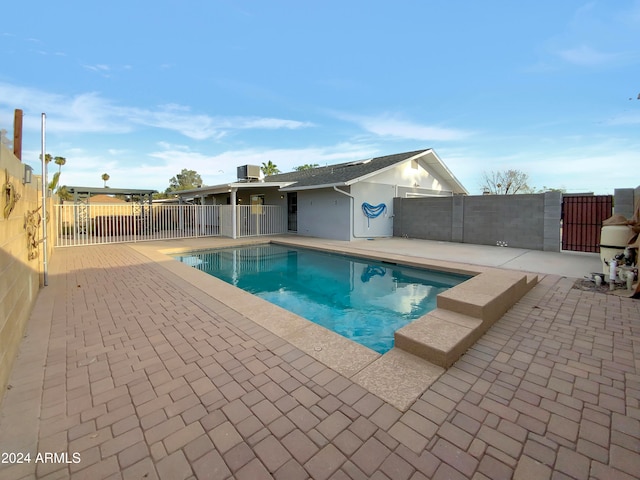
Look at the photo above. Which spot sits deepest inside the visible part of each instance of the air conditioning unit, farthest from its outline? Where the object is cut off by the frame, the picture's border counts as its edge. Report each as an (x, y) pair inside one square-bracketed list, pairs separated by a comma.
[(248, 172)]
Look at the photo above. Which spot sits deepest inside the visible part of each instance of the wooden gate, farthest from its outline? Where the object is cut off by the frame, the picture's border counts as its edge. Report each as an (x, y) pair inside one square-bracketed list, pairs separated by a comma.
[(582, 217)]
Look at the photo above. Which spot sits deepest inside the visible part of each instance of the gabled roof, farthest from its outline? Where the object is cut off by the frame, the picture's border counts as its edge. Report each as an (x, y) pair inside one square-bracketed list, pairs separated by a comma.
[(341, 174), (344, 174)]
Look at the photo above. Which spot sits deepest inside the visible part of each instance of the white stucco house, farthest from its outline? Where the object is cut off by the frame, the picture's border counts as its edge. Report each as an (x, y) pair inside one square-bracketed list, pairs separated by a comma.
[(342, 202)]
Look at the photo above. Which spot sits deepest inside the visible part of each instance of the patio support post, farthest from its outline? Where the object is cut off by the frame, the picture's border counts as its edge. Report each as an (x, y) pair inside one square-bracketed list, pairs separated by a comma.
[(234, 213)]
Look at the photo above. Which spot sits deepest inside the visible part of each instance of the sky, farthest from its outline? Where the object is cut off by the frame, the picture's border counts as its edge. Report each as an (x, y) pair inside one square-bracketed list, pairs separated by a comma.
[(141, 90)]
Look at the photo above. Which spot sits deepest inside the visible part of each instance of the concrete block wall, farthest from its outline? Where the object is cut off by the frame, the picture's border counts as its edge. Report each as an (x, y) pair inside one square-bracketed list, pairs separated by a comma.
[(427, 217), (551, 237), (19, 276), (522, 221), (624, 201), (517, 220)]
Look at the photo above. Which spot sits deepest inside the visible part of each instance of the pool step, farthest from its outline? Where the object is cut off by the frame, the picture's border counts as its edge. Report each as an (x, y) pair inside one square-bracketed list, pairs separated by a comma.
[(465, 312)]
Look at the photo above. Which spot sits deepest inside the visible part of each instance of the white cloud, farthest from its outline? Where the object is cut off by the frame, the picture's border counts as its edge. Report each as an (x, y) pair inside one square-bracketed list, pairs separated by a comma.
[(201, 127), (625, 119), (587, 56), (392, 127), (98, 68), (270, 123), (599, 34), (577, 164), (153, 170), (90, 112), (177, 157)]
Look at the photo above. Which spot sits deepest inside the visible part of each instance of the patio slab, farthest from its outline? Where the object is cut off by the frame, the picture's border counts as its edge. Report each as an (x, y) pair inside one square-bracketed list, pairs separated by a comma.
[(145, 376)]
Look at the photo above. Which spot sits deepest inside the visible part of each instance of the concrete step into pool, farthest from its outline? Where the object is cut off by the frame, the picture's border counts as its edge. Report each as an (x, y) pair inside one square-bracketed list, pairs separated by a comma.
[(465, 312)]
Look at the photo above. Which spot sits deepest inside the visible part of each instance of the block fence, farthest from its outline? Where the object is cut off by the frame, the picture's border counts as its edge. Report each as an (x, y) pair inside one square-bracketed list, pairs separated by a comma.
[(522, 221), (20, 265)]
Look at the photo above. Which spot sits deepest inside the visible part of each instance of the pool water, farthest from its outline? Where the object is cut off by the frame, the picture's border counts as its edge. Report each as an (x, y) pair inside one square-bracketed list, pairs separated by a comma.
[(363, 300)]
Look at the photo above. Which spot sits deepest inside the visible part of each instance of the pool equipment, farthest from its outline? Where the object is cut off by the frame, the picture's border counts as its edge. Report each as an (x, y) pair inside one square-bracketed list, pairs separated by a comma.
[(612, 274), (613, 241)]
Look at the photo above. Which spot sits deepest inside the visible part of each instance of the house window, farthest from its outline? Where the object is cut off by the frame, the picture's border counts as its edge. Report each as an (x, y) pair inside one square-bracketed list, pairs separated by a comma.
[(257, 201)]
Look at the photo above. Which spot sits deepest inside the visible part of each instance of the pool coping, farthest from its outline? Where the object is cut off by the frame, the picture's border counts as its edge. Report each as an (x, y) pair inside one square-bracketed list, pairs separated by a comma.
[(399, 376)]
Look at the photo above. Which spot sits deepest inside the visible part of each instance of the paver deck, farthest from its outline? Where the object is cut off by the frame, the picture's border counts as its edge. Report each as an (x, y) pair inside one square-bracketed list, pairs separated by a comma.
[(133, 372)]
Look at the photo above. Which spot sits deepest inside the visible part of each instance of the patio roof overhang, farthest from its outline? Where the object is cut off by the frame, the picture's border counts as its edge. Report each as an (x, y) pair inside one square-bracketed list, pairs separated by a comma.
[(110, 191), (81, 194), (228, 187)]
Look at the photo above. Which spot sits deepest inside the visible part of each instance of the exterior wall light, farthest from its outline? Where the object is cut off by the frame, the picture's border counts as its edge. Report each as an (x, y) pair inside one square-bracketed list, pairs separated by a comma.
[(27, 174)]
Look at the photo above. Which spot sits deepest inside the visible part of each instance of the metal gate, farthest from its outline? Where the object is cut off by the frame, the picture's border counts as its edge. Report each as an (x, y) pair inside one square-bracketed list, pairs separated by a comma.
[(582, 217)]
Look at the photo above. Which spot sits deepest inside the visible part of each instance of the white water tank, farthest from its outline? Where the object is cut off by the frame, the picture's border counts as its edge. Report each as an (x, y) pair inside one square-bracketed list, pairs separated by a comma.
[(613, 241)]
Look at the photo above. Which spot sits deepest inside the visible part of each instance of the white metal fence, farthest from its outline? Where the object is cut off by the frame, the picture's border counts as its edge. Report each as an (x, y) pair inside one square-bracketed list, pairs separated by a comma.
[(88, 224), (255, 220)]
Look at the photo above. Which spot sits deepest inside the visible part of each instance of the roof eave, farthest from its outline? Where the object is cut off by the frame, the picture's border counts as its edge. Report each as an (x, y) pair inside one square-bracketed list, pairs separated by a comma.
[(291, 188), (226, 187), (455, 182)]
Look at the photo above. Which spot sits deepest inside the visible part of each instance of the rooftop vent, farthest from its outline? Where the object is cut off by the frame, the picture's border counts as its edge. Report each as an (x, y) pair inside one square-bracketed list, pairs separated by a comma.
[(249, 172), (358, 162)]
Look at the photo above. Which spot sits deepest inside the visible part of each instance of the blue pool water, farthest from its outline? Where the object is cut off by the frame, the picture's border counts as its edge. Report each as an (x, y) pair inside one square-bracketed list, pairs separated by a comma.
[(363, 300)]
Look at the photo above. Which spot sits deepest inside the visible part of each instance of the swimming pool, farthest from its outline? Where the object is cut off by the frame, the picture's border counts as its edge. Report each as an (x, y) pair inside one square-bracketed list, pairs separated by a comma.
[(361, 299)]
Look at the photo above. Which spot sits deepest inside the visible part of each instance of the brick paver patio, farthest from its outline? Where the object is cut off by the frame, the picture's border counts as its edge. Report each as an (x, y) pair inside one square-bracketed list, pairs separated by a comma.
[(145, 378)]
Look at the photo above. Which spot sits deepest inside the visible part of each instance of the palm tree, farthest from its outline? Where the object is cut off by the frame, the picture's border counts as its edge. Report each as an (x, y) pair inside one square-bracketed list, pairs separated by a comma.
[(306, 166), (63, 193), (105, 177), (269, 168), (60, 161)]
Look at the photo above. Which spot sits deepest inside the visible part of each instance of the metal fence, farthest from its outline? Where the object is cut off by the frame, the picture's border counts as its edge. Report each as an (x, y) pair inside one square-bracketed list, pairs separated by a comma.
[(582, 217), (256, 220), (87, 224)]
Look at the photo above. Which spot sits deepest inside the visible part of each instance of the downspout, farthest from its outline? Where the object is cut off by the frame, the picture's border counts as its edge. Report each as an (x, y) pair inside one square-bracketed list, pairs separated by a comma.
[(353, 213)]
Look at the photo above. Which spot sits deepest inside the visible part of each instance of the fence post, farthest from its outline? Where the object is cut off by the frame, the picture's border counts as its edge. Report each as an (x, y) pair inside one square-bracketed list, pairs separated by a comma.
[(623, 203), (196, 217), (457, 218), (551, 221)]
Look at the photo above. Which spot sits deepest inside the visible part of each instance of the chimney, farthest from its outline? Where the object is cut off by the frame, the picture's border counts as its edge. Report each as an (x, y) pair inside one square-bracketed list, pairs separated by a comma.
[(17, 134)]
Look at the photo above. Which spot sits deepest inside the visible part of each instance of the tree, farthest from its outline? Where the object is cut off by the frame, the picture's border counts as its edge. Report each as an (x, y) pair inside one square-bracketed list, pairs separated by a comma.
[(63, 193), (105, 177), (4, 140), (306, 166), (549, 189), (185, 180), (269, 168), (508, 182), (60, 161)]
